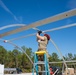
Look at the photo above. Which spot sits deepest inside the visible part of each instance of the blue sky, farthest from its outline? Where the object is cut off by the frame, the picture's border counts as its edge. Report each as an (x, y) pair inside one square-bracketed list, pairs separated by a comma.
[(29, 11)]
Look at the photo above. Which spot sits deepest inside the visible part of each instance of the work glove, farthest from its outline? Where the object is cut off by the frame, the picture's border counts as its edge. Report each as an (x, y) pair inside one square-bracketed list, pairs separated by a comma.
[(39, 32)]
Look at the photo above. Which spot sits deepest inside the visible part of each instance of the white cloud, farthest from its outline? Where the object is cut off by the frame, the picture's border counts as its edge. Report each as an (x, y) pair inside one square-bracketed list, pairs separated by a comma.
[(4, 7), (7, 10)]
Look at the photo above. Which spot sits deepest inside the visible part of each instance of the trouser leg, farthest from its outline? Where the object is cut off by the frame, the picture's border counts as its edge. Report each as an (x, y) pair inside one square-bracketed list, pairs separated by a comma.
[(40, 66)]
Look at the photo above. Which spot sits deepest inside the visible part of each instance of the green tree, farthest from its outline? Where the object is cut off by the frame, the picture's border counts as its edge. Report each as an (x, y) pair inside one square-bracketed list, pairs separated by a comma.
[(69, 56), (15, 55), (74, 58), (2, 55), (54, 57), (11, 60), (25, 61)]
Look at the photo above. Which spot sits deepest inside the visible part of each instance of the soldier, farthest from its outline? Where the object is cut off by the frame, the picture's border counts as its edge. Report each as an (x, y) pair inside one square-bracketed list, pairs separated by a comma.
[(42, 41), (42, 46)]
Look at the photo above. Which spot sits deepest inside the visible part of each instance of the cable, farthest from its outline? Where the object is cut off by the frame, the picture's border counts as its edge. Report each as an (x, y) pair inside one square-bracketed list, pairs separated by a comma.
[(22, 37), (7, 41), (12, 25), (20, 49), (59, 52), (50, 30), (62, 27)]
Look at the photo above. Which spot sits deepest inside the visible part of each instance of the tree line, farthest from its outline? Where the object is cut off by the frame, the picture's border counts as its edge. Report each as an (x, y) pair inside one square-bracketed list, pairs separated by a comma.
[(15, 58)]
